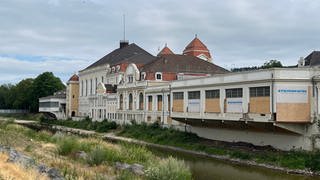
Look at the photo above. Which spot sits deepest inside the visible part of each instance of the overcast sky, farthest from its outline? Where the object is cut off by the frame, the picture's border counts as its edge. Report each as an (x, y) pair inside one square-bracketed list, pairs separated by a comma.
[(64, 36)]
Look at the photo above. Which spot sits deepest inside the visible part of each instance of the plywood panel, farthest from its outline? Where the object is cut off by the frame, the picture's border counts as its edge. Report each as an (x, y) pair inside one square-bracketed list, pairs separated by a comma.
[(159, 105), (150, 105), (293, 112), (259, 105), (177, 105), (213, 105)]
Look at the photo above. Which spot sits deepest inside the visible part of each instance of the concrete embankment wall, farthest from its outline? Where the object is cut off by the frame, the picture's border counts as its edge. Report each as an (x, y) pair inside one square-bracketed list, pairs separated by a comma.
[(13, 111)]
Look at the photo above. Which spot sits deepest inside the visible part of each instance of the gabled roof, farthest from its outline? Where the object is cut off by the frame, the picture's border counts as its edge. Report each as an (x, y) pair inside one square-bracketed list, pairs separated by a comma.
[(313, 59), (131, 53), (182, 64), (165, 51)]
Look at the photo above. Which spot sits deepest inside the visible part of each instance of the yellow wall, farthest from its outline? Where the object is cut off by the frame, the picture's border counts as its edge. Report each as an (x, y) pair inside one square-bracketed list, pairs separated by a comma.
[(177, 105), (213, 105), (74, 98), (259, 105)]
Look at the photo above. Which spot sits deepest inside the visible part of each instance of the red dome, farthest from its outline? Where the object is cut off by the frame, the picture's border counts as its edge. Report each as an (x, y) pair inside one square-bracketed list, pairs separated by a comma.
[(74, 78), (196, 48)]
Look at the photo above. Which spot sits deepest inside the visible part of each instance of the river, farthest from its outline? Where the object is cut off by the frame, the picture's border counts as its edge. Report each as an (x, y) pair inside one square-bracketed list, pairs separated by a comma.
[(206, 169)]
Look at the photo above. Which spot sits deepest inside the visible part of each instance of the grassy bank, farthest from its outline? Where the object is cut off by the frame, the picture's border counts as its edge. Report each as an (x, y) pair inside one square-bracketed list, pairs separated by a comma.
[(165, 136), (87, 124), (98, 157)]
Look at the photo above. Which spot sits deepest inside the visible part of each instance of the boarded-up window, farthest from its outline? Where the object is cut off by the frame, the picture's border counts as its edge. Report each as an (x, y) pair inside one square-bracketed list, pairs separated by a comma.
[(259, 100), (150, 103), (212, 102), (177, 105), (194, 101), (234, 93), (121, 101), (159, 97), (140, 101)]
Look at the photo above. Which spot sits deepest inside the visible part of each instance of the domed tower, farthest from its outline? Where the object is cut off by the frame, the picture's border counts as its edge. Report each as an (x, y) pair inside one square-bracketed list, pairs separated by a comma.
[(198, 49), (72, 105), (165, 51)]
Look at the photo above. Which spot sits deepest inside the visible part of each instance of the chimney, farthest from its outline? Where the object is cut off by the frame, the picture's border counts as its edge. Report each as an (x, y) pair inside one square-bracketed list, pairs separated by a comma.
[(123, 43)]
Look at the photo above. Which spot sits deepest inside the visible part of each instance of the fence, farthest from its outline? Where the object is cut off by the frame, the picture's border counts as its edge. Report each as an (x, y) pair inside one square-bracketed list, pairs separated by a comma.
[(13, 111)]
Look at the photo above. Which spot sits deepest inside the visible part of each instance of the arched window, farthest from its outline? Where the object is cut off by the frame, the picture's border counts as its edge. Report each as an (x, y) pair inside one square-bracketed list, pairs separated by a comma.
[(140, 101), (121, 101), (130, 101)]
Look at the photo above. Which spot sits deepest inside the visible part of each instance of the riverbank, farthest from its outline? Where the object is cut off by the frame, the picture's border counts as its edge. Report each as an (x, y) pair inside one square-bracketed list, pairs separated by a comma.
[(296, 161), (91, 158)]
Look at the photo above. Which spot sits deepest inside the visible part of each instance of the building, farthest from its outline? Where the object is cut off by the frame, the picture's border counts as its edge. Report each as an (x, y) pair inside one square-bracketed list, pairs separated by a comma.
[(108, 71), (72, 96), (312, 60), (277, 107), (54, 106)]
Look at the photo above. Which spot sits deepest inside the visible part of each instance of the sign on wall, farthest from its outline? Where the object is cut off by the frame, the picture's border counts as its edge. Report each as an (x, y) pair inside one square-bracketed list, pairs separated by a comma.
[(194, 105), (234, 105), (292, 94)]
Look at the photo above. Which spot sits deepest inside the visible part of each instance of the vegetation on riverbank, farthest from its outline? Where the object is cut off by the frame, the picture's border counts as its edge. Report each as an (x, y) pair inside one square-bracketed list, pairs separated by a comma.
[(86, 124), (296, 159), (89, 158), (23, 116)]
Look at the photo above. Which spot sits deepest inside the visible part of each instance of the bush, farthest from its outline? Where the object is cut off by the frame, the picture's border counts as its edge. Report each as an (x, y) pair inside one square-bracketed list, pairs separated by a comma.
[(313, 161), (97, 156), (67, 146), (168, 169), (135, 153)]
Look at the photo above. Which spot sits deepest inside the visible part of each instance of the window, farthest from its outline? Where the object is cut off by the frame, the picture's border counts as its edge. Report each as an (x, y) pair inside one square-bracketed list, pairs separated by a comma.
[(158, 76), (121, 101), (150, 103), (143, 76), (178, 95), (102, 79), (86, 87), (130, 78), (130, 101), (213, 94), (234, 93), (90, 86), (259, 91), (82, 88), (194, 95), (140, 101), (159, 97)]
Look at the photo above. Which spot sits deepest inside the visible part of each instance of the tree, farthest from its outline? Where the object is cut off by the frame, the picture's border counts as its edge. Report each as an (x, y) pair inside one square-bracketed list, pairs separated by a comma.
[(6, 96), (23, 92), (44, 85), (271, 64)]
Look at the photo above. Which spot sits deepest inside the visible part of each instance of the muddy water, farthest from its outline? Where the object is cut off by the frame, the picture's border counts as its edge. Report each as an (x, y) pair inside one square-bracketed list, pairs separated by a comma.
[(207, 169)]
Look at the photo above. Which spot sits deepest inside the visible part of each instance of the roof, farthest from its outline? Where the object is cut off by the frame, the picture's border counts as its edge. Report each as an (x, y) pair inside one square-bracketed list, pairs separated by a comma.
[(74, 78), (131, 53), (197, 45), (59, 95), (313, 59), (182, 64), (165, 51)]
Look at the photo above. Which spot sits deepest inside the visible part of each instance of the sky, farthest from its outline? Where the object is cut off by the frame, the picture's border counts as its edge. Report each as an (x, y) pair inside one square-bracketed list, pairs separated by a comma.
[(65, 36)]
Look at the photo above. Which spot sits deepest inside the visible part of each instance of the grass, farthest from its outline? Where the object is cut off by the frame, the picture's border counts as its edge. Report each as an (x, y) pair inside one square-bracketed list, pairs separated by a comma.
[(60, 151), (295, 159), (87, 124)]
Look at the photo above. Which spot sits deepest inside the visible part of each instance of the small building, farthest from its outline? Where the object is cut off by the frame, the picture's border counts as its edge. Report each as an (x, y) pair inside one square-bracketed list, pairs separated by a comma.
[(54, 106)]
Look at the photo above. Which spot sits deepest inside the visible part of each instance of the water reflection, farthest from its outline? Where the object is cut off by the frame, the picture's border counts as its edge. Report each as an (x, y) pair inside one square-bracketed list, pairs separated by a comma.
[(204, 168)]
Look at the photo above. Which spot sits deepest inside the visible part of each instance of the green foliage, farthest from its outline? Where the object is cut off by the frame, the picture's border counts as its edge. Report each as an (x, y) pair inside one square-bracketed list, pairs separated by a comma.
[(313, 162), (168, 169), (68, 145), (266, 65), (26, 94), (97, 156), (87, 124)]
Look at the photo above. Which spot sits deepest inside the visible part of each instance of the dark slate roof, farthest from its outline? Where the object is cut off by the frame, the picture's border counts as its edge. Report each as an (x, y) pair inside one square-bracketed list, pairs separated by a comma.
[(130, 54), (313, 59), (59, 95), (182, 64)]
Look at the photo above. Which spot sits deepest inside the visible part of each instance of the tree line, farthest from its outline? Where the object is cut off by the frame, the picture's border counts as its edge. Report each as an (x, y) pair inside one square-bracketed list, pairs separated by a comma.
[(266, 65), (26, 93)]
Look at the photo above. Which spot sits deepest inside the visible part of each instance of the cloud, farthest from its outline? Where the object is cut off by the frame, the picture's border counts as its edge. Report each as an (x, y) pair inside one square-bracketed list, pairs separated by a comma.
[(238, 33)]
